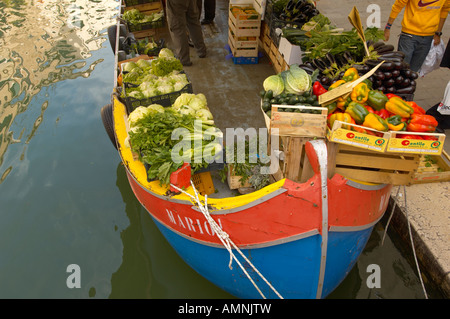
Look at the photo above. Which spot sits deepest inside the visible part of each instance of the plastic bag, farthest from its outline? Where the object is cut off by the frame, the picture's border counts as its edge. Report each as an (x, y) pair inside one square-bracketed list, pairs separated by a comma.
[(433, 59), (444, 106)]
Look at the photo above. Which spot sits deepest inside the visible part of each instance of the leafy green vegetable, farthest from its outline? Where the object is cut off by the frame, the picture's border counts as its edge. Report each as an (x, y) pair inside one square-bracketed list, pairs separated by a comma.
[(164, 65), (274, 83), (134, 16)]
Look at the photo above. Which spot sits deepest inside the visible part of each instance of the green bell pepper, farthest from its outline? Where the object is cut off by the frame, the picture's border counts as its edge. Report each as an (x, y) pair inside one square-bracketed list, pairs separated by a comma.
[(395, 123), (357, 111), (377, 99)]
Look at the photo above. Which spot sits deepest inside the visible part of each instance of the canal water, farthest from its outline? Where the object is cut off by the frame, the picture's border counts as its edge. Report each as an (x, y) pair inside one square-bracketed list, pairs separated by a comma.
[(64, 196)]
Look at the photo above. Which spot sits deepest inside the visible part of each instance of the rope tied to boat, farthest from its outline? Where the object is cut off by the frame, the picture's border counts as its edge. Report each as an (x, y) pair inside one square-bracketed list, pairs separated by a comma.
[(419, 273), (226, 240)]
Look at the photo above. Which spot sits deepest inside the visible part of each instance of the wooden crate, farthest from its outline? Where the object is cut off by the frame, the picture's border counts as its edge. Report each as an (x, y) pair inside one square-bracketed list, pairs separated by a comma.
[(416, 146), (146, 8), (345, 133), (299, 124), (373, 167), (242, 46), (147, 30), (234, 181), (293, 164), (432, 169)]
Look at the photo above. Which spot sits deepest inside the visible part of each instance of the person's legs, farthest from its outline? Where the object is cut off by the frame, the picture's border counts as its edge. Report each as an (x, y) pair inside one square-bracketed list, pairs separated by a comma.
[(406, 45), (176, 19), (421, 48), (210, 11), (195, 29)]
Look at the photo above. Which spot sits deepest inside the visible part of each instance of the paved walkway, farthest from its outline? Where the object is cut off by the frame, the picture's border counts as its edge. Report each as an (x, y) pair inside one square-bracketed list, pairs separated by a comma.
[(427, 205)]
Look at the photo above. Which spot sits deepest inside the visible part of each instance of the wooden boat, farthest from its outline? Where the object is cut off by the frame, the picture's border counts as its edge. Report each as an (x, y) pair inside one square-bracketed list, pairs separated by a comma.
[(286, 240)]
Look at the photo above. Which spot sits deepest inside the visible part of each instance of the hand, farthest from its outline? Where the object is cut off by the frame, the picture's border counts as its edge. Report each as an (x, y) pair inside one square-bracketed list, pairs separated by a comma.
[(436, 39), (387, 34)]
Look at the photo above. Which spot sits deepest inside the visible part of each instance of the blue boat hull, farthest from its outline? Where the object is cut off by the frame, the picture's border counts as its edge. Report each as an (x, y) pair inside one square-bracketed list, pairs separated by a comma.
[(291, 267)]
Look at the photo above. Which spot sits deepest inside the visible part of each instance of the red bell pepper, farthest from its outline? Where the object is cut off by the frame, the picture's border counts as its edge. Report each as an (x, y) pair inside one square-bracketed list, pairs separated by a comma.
[(417, 109), (369, 108), (409, 136), (416, 127), (318, 89), (389, 95), (423, 119), (383, 113), (430, 138)]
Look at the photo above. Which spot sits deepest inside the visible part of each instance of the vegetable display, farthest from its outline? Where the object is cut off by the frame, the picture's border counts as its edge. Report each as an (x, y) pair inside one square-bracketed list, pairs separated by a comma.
[(152, 136), (290, 87), (373, 109), (134, 16), (149, 78)]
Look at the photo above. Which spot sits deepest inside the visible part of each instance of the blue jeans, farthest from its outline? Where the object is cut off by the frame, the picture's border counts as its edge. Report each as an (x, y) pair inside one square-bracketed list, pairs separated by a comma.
[(415, 48)]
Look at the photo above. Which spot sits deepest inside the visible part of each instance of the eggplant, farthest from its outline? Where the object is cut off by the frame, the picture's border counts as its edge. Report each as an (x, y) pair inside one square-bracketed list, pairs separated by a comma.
[(406, 73), (390, 89), (385, 48), (406, 82), (330, 58), (406, 90), (300, 4), (393, 59), (396, 73), (387, 75), (325, 80), (379, 75), (387, 66), (378, 44), (399, 79), (388, 83), (381, 88), (393, 54), (414, 75), (398, 65), (413, 83), (378, 83)]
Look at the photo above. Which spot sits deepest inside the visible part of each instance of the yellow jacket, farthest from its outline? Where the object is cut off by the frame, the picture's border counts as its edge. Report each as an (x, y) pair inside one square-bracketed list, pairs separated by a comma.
[(421, 17)]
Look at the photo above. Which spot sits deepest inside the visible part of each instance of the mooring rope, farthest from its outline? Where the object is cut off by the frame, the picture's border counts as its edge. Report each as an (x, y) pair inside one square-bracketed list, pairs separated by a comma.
[(226, 241), (410, 235)]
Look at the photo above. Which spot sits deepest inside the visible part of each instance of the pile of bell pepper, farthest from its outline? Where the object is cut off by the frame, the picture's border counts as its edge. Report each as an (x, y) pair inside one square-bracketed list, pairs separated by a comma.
[(374, 109)]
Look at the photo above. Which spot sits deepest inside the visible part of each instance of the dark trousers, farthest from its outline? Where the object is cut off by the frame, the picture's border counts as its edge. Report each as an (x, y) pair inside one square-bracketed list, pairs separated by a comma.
[(210, 9), (183, 17)]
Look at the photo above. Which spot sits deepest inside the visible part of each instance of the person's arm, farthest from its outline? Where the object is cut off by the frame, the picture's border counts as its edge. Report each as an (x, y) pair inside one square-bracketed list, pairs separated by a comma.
[(437, 37), (444, 12), (387, 28), (396, 8)]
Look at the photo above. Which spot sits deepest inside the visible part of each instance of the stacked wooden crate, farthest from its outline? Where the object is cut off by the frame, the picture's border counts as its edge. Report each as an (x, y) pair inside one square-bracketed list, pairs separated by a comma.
[(244, 24), (148, 29)]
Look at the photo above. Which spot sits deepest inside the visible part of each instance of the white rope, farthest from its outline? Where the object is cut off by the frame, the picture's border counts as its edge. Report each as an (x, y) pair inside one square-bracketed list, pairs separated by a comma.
[(225, 239), (410, 235)]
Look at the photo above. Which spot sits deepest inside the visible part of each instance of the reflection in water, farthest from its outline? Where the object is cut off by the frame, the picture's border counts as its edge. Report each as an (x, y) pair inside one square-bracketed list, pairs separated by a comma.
[(43, 42)]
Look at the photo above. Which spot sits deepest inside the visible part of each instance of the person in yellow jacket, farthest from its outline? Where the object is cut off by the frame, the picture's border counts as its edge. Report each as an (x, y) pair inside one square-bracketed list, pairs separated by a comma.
[(422, 24)]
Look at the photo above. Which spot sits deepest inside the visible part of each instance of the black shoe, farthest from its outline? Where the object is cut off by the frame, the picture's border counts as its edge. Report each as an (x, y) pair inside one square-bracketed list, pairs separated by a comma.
[(203, 55), (186, 63), (191, 44), (206, 21)]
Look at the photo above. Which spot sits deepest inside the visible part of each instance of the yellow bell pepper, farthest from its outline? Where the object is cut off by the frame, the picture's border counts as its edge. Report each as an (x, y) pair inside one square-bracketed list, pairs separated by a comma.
[(342, 103), (350, 75), (336, 84), (376, 122), (398, 106), (343, 117), (360, 93)]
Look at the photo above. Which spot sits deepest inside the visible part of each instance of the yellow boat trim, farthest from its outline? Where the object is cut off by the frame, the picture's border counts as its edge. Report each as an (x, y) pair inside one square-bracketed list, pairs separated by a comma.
[(137, 169)]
